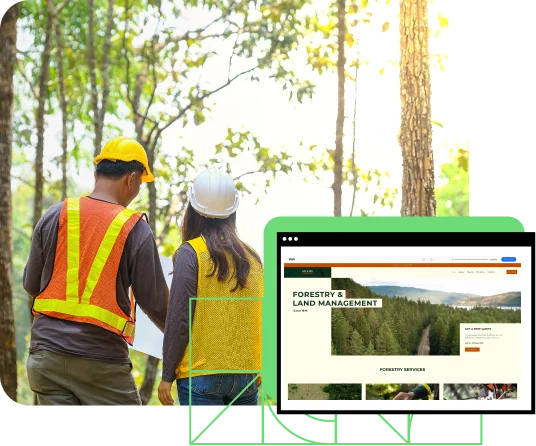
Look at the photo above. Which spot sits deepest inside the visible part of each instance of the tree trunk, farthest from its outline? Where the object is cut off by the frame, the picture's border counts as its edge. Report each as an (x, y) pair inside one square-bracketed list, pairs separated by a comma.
[(151, 368), (152, 205), (63, 104), (354, 123), (146, 389), (105, 70), (40, 118), (40, 121), (8, 351), (99, 110), (415, 137), (93, 75), (338, 154)]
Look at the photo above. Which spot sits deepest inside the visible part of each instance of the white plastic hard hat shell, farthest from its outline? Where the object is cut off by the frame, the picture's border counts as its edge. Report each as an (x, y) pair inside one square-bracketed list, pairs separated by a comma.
[(213, 194)]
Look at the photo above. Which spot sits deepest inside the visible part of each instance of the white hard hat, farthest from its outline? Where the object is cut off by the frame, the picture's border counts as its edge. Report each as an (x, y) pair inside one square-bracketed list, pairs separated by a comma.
[(213, 194)]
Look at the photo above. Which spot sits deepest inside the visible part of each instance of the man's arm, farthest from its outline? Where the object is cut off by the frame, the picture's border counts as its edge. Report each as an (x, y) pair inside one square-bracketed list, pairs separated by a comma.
[(421, 391), (417, 393), (40, 263), (34, 266), (148, 282), (183, 287)]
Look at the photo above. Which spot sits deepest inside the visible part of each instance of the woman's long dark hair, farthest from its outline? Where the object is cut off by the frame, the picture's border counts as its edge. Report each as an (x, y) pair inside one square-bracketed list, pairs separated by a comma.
[(221, 238)]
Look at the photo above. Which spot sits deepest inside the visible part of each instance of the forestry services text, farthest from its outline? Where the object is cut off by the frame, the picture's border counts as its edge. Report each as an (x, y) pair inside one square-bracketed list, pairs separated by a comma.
[(406, 369)]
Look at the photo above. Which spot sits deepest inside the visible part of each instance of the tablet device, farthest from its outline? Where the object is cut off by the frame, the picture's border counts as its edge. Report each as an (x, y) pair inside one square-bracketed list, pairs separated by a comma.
[(405, 322)]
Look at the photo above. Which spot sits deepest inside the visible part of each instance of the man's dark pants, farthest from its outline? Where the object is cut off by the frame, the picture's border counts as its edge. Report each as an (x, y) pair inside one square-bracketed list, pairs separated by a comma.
[(67, 380)]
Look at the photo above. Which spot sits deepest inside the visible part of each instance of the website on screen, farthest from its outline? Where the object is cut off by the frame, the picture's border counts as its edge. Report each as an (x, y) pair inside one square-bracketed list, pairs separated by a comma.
[(439, 328)]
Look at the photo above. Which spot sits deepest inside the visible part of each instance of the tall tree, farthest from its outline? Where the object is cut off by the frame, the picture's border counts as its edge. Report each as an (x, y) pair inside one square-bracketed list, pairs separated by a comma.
[(453, 194), (339, 128), (63, 104), (364, 329), (415, 136), (50, 13), (387, 344), (8, 351), (40, 111), (454, 338), (354, 126), (99, 104), (167, 68), (340, 336), (332, 53), (356, 346)]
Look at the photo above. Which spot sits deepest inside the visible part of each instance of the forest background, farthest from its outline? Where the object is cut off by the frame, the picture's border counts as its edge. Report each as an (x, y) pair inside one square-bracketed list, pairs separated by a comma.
[(315, 108)]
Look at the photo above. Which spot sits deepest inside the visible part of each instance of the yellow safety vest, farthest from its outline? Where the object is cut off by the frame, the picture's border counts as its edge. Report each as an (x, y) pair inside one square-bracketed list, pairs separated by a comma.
[(226, 329)]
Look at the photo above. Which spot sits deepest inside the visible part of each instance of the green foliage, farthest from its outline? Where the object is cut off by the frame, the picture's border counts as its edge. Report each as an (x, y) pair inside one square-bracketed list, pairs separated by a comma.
[(321, 41), (452, 194), (340, 336), (156, 80), (473, 391), (356, 346), (268, 163), (443, 21), (397, 327), (389, 391), (138, 369), (343, 391), (268, 399), (386, 343), (22, 212), (171, 62), (24, 393), (369, 183)]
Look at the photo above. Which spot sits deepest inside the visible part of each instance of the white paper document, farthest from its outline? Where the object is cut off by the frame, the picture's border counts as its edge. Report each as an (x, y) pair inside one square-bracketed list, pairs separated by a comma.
[(149, 339)]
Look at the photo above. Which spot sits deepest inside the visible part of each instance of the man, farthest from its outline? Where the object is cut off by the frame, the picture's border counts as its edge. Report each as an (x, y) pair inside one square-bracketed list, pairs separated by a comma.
[(85, 255)]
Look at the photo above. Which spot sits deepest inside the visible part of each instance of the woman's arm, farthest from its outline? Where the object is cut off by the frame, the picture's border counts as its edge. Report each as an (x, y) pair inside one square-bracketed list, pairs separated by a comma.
[(176, 333)]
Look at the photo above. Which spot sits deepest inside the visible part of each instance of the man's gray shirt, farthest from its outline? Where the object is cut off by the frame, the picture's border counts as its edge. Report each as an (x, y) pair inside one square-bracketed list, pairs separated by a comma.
[(139, 267)]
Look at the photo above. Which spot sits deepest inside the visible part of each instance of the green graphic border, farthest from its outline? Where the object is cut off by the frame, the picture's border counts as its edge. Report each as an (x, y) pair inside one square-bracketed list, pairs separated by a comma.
[(269, 310), (348, 224)]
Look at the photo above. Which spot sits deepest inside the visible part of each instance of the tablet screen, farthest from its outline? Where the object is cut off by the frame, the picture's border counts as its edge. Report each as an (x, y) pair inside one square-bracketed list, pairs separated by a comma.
[(405, 322)]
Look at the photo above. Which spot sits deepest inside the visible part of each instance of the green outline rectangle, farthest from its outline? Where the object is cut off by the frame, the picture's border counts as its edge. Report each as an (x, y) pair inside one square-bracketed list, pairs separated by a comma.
[(342, 224)]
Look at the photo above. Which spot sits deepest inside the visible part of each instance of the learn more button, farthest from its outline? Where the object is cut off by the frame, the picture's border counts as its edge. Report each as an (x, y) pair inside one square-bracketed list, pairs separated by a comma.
[(472, 349)]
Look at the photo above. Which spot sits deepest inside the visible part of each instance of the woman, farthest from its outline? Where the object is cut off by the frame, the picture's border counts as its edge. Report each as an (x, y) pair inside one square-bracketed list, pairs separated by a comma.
[(223, 273)]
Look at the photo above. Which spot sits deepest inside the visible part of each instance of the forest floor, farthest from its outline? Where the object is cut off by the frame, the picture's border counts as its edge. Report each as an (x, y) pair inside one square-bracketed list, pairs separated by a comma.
[(424, 345), (307, 392)]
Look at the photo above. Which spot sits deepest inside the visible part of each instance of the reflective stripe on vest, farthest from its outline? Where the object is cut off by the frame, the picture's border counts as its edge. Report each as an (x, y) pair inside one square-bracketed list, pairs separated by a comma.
[(74, 306), (73, 248), (104, 251), (226, 328)]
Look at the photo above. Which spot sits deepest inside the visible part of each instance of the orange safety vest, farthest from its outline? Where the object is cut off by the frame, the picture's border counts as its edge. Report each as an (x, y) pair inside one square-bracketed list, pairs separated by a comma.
[(91, 238)]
